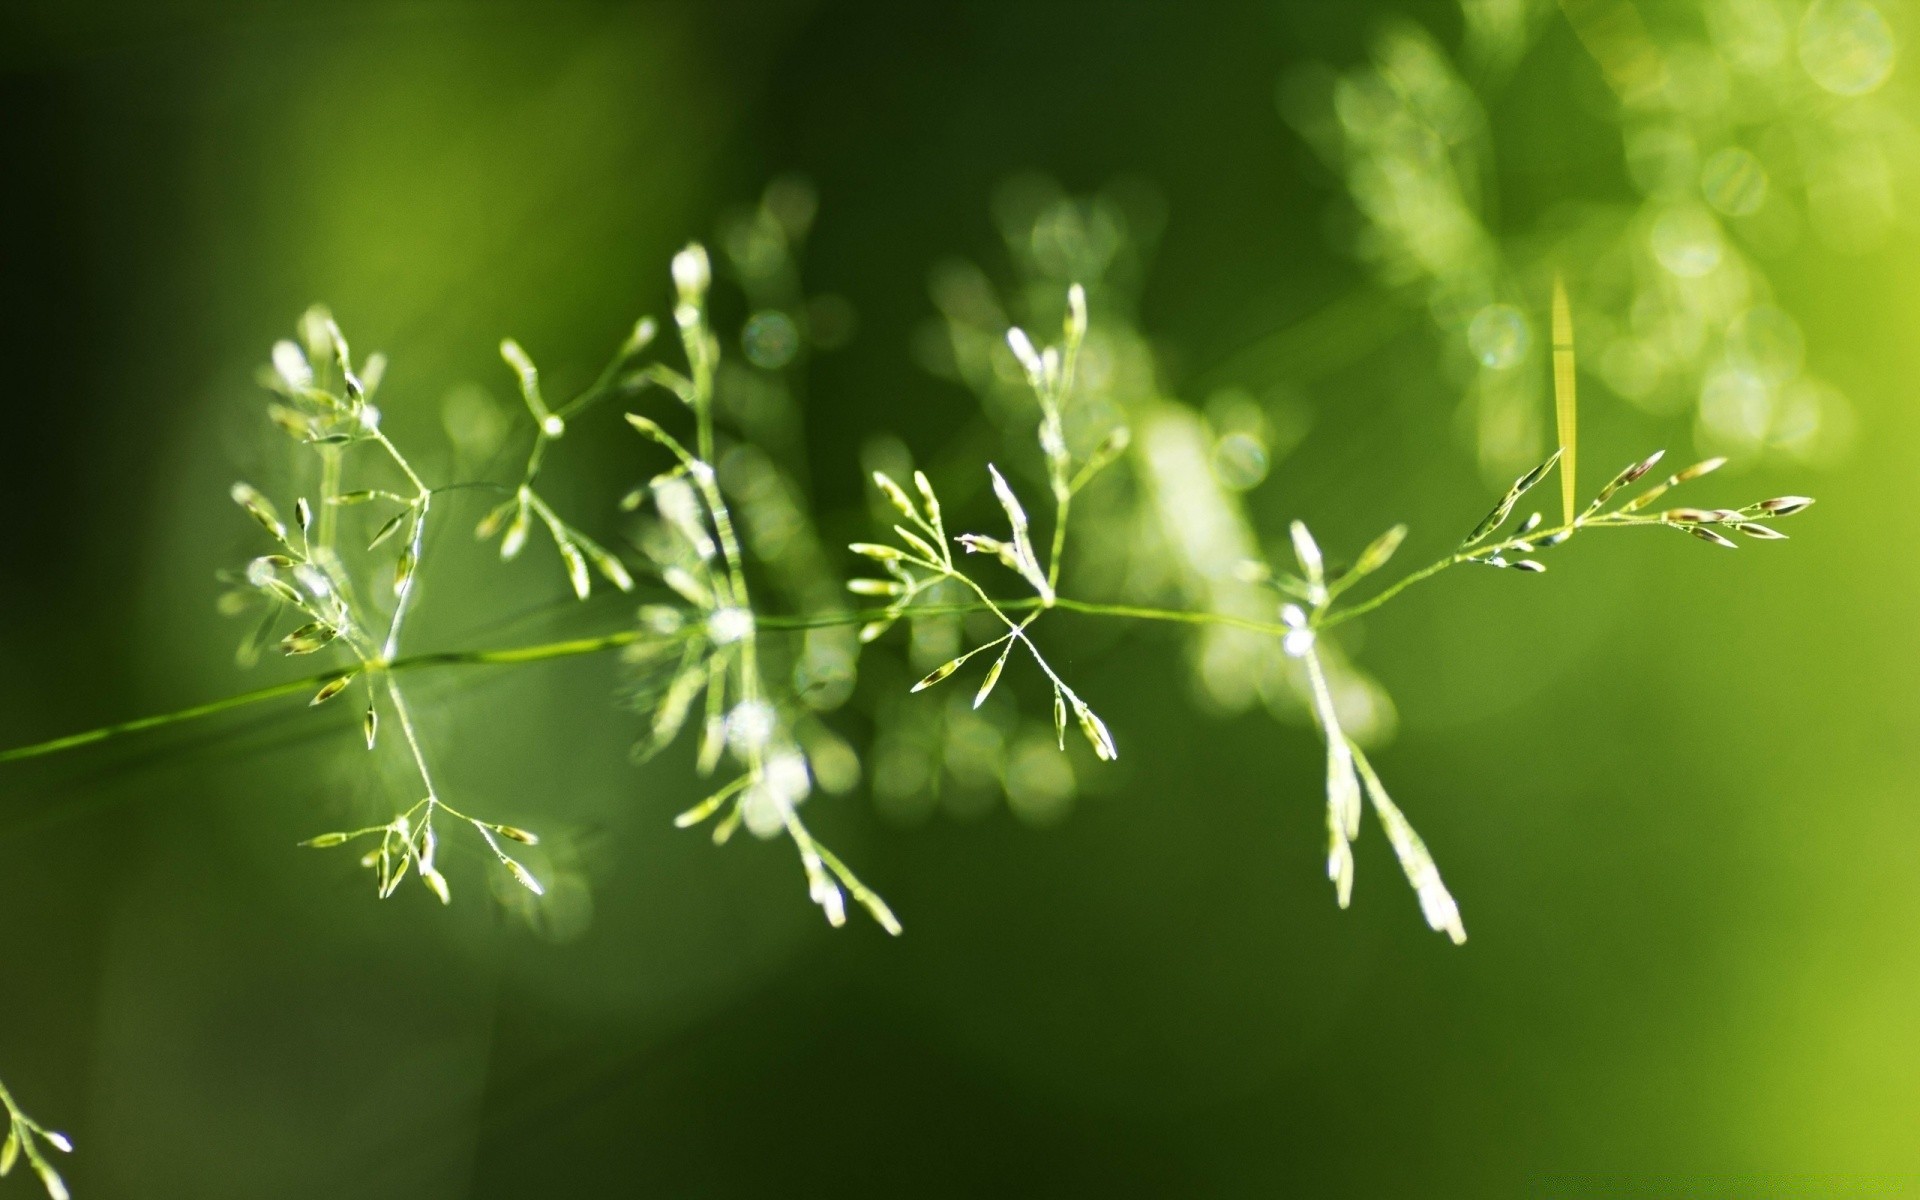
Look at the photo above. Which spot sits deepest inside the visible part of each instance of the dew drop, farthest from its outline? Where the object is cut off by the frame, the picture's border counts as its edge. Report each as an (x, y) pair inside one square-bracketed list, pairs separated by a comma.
[(1240, 461), (1734, 182), (1846, 47), (1662, 160), (770, 340), (1767, 344), (1686, 241), (1735, 410), (1499, 336)]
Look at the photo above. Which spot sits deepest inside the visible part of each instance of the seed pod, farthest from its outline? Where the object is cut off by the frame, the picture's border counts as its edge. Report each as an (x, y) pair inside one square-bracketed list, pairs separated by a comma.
[(403, 571), (927, 497), (576, 569), (51, 1181), (894, 494), (993, 675), (1504, 509), (1760, 532), (644, 331), (875, 552), (1030, 360), (523, 367), (1307, 552), (1096, 731), (10, 1152), (325, 840), (610, 566), (280, 589), (437, 883), (391, 884), (524, 877), (259, 508), (1626, 478), (370, 725), (1529, 566), (1675, 480), (975, 543), (919, 544), (516, 833), (688, 586), (388, 530), (516, 538), (1025, 560), (1708, 535), (1647, 497), (1698, 469), (1110, 448), (1379, 550), (308, 638), (874, 587), (940, 672), (1786, 506), (1688, 516), (330, 689), (295, 424), (498, 514)]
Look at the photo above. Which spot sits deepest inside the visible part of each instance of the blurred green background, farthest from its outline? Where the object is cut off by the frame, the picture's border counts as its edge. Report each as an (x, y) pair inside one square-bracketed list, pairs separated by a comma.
[(1672, 788)]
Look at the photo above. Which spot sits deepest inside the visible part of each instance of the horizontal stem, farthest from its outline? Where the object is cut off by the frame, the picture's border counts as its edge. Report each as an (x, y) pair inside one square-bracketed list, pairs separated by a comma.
[(512, 655), (1181, 616), (1336, 616), (74, 740)]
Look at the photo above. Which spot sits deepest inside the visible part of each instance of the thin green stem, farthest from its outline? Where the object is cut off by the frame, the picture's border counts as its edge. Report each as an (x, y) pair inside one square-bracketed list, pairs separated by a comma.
[(139, 725), (1331, 619), (1336, 617), (1181, 616), (574, 647), (1608, 520)]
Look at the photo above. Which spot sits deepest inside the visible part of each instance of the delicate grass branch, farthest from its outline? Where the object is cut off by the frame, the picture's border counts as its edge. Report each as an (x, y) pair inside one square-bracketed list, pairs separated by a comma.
[(24, 1139), (708, 661)]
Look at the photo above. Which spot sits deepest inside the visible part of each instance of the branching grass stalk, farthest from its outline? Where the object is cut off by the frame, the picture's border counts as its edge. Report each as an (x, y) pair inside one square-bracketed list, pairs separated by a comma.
[(706, 651), (25, 1138)]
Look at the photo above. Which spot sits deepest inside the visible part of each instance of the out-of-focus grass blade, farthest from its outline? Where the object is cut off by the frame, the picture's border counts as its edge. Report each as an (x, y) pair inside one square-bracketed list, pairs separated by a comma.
[(1566, 407)]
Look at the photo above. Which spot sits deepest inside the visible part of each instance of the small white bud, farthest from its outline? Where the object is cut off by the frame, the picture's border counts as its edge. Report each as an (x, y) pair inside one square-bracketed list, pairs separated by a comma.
[(1443, 915), (729, 625), (1022, 347), (291, 365), (311, 578), (788, 776), (763, 811), (750, 727), (692, 273), (827, 894)]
